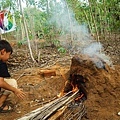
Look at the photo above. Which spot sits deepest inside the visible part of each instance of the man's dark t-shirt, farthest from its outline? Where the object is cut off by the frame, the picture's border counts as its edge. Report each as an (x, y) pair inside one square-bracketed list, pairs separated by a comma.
[(4, 70)]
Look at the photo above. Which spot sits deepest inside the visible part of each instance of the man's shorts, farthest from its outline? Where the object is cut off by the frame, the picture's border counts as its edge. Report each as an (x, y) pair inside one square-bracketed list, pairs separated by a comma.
[(11, 82)]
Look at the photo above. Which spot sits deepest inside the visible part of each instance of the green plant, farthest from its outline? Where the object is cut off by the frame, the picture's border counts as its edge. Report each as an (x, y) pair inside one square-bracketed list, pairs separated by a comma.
[(20, 43), (61, 50), (56, 43)]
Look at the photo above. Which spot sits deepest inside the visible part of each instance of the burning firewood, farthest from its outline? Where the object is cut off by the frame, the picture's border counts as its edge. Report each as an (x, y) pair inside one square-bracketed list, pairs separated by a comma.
[(47, 110), (81, 66)]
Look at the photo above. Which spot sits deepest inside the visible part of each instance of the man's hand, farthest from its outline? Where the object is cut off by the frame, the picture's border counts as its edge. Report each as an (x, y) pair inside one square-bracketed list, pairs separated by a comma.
[(19, 93)]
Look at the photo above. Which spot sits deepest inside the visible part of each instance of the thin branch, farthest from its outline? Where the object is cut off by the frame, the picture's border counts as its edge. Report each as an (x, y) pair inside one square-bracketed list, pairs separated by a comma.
[(26, 31)]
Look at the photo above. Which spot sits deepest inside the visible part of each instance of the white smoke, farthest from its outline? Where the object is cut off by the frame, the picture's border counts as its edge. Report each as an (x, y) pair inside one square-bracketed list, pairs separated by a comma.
[(92, 49), (82, 42)]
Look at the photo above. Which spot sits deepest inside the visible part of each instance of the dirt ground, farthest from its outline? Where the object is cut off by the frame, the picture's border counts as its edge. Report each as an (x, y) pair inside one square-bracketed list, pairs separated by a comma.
[(103, 102)]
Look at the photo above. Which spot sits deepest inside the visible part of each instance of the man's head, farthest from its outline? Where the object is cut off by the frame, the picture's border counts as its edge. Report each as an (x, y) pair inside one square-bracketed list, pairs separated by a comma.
[(5, 50)]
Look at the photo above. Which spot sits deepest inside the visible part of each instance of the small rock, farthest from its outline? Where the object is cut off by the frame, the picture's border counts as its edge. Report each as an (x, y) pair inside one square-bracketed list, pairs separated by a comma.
[(119, 113), (18, 112)]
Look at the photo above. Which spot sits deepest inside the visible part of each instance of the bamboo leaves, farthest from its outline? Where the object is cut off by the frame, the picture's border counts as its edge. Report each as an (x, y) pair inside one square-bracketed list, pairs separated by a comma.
[(102, 16)]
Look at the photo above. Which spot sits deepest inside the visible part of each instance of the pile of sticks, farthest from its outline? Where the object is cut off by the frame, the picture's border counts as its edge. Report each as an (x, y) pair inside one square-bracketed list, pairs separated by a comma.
[(49, 110)]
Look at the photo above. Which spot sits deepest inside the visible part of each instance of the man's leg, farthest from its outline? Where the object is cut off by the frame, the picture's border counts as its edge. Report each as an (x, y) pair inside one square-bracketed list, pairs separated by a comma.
[(5, 93), (2, 100)]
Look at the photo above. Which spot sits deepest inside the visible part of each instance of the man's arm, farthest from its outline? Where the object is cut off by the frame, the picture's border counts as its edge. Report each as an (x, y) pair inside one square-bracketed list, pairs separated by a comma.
[(19, 93), (5, 85)]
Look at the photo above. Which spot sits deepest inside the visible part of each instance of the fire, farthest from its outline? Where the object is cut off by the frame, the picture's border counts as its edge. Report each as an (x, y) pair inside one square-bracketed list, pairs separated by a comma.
[(74, 84), (78, 98), (75, 88)]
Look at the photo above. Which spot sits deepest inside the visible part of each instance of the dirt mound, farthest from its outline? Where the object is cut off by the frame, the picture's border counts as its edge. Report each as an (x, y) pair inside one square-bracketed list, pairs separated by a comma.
[(102, 85)]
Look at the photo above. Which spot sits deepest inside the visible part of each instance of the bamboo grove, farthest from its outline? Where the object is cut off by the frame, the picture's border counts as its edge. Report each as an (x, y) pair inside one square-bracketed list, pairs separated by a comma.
[(102, 18)]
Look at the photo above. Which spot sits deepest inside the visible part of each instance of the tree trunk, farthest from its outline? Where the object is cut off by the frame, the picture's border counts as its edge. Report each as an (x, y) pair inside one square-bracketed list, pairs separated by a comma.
[(71, 26), (26, 32)]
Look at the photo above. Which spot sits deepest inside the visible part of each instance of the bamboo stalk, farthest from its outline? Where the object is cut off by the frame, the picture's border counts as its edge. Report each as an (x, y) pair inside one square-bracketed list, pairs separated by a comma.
[(26, 32), (88, 21), (93, 19), (105, 16), (71, 31), (100, 19), (95, 24)]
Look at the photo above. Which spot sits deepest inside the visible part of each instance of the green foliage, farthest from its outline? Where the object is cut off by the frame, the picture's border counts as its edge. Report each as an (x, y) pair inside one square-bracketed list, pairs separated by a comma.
[(61, 50), (7, 3), (102, 16), (39, 18), (20, 43), (56, 43), (59, 47)]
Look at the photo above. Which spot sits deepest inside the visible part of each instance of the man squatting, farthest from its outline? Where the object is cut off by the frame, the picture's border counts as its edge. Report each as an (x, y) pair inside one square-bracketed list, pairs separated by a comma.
[(7, 85)]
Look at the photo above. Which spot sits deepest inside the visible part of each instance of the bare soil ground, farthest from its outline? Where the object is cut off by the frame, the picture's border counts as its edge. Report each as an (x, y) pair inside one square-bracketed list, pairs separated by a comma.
[(103, 101)]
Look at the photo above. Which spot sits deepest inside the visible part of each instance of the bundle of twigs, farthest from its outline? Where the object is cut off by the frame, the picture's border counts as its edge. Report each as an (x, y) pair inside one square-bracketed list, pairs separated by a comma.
[(49, 109)]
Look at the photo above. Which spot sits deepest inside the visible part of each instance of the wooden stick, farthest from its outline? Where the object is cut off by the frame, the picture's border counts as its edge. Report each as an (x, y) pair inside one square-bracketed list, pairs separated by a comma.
[(47, 110), (58, 113)]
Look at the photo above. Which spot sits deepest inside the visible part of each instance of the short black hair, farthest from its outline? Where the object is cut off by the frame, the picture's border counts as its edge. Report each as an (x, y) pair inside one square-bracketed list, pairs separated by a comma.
[(5, 45)]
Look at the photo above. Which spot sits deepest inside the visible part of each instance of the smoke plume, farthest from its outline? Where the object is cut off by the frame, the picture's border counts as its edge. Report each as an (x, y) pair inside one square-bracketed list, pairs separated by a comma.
[(75, 37)]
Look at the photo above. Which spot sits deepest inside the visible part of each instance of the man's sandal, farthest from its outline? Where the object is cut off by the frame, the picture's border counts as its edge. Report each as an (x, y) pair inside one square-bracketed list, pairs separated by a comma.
[(9, 109)]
